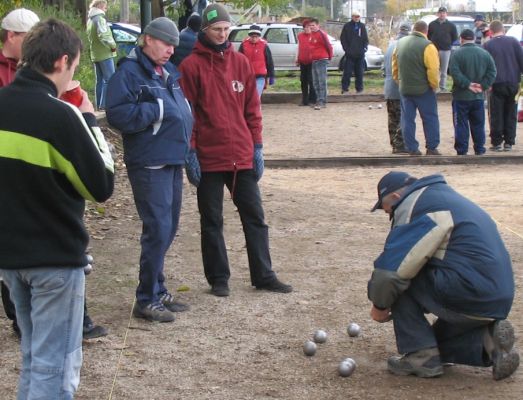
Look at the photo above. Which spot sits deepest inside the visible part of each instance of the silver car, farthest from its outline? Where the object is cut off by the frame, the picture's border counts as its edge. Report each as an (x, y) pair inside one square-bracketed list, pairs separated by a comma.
[(283, 42)]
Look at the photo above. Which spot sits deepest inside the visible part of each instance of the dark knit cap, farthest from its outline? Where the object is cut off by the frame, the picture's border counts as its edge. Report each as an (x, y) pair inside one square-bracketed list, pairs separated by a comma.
[(467, 34), (164, 29), (194, 22), (214, 13)]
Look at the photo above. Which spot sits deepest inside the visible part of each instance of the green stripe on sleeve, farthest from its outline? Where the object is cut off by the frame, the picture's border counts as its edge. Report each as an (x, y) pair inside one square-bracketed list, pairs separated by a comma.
[(18, 146)]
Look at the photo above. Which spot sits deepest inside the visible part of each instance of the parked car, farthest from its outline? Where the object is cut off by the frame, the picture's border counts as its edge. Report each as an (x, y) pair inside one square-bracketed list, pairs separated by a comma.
[(461, 22), (125, 36), (283, 42)]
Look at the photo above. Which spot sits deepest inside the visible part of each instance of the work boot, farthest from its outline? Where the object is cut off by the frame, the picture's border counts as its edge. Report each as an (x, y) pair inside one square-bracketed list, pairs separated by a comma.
[(220, 289), (167, 299), (424, 363), (499, 342), (155, 312), (276, 286)]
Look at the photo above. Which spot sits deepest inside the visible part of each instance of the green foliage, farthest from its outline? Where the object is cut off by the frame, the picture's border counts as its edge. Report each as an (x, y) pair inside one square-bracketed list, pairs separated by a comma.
[(84, 72), (289, 81), (321, 13), (264, 3)]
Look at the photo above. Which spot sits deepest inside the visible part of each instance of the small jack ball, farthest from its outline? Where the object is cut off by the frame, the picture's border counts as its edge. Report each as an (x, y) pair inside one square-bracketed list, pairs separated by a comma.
[(353, 329), (309, 348), (320, 336)]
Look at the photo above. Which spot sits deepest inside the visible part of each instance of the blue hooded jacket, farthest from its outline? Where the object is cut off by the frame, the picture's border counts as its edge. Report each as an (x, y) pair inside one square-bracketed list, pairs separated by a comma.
[(435, 227), (151, 111)]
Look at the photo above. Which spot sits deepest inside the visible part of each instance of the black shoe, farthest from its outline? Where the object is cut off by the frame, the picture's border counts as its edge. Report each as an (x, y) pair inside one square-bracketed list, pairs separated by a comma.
[(433, 152), (276, 286), (94, 331), (168, 301), (415, 153), (400, 150), (220, 289), (154, 312)]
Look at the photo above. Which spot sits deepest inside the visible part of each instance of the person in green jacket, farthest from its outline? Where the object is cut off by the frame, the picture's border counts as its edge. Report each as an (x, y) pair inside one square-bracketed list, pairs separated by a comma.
[(473, 71), (102, 47)]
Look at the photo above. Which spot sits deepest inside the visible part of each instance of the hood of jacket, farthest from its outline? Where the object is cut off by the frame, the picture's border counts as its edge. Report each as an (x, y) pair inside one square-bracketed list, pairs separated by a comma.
[(95, 11)]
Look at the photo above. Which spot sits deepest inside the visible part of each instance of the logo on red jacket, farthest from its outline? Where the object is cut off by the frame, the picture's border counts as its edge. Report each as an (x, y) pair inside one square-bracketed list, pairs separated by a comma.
[(237, 86)]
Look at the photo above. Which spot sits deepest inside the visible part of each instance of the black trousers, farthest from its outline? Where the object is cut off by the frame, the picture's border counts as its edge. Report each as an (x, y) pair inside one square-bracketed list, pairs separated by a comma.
[(503, 113), (307, 89), (246, 197)]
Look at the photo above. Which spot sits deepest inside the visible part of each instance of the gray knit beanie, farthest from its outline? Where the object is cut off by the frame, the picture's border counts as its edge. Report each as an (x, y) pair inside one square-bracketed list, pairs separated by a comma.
[(214, 13), (164, 29)]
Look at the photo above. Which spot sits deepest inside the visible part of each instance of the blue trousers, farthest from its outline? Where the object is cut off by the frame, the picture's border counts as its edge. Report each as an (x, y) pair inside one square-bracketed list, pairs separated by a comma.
[(158, 199), (427, 106), (458, 337), (246, 197), (319, 80), (260, 85), (103, 72), (49, 306), (356, 66), (469, 120)]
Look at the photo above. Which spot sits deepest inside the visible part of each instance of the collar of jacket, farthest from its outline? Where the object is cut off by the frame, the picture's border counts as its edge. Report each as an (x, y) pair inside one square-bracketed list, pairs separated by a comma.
[(35, 80), (137, 55)]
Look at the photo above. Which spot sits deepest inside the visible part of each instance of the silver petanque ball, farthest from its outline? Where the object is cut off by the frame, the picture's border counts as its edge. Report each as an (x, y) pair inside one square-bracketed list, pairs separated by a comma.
[(309, 348), (370, 107), (90, 258), (87, 269), (320, 336), (353, 329), (380, 106), (346, 368)]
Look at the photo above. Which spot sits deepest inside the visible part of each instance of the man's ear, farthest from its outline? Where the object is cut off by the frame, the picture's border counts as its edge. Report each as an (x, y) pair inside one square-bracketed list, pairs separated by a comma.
[(61, 64)]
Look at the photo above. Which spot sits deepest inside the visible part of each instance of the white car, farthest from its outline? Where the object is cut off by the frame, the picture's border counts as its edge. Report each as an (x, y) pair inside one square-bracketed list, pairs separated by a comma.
[(283, 42)]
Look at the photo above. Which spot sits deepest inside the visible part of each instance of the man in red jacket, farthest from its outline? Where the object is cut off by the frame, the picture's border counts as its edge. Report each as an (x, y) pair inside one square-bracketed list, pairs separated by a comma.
[(259, 55), (304, 60), (226, 151), (321, 52)]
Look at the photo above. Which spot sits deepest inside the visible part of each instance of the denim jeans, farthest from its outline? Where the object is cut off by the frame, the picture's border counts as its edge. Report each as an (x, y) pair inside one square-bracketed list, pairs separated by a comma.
[(469, 120), (260, 85), (458, 337), (103, 72), (246, 197), (158, 199), (356, 65), (503, 113), (444, 58), (319, 80), (49, 306), (428, 110), (308, 95)]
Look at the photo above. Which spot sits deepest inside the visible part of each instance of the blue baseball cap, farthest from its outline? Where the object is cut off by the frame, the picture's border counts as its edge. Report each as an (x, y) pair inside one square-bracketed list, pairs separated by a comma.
[(390, 183)]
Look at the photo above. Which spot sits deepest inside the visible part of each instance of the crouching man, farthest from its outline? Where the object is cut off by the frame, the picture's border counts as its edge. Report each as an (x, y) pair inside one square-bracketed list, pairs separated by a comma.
[(52, 158), (444, 256)]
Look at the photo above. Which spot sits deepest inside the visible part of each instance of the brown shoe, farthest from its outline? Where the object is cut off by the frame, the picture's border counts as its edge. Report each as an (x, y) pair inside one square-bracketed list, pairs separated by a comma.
[(433, 152)]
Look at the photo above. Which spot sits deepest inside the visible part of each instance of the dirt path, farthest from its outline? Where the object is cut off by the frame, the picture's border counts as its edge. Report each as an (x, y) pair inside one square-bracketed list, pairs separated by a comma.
[(323, 241)]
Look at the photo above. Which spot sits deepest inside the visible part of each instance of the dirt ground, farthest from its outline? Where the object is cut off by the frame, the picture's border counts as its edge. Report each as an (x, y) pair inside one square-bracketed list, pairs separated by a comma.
[(323, 242)]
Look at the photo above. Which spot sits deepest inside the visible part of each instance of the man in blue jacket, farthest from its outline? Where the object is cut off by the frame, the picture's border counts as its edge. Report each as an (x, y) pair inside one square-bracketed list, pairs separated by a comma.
[(444, 256), (146, 103)]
